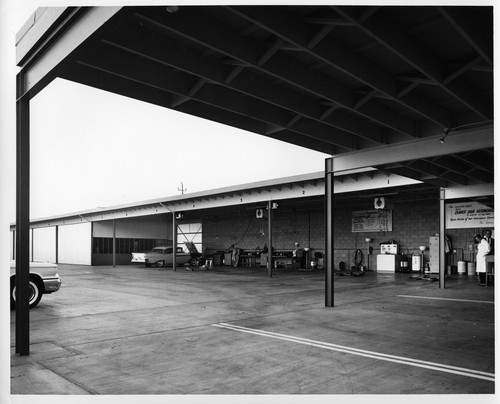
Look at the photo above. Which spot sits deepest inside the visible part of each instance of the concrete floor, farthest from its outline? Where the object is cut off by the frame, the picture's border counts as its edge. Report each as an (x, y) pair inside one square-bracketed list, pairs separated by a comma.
[(133, 330)]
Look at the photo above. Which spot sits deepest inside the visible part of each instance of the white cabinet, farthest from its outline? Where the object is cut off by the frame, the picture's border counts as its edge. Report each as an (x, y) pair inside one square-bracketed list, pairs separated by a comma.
[(388, 262)]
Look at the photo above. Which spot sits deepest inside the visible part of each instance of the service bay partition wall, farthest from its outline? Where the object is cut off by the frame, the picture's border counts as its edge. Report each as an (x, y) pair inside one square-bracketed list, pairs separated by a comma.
[(44, 244), (75, 244)]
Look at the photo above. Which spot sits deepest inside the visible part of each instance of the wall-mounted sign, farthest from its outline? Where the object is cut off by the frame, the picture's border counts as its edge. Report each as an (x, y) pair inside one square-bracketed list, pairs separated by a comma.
[(371, 220), (469, 215)]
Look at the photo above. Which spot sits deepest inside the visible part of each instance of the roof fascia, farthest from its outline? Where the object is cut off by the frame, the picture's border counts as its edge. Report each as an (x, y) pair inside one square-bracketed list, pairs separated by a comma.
[(459, 142), (275, 191), (52, 42)]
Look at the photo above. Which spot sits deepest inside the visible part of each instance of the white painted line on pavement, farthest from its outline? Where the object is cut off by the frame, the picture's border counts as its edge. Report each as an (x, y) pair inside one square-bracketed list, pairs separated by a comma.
[(446, 298), (360, 352)]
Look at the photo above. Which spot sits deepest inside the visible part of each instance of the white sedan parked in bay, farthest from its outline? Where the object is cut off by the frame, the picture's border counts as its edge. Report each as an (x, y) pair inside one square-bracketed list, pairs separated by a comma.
[(163, 256)]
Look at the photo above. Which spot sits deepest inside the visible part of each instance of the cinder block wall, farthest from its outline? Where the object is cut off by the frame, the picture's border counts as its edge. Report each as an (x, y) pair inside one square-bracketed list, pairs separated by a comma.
[(413, 224), (247, 232)]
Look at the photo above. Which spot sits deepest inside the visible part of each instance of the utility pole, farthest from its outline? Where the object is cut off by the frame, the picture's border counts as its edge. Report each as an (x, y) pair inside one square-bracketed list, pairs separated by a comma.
[(182, 189)]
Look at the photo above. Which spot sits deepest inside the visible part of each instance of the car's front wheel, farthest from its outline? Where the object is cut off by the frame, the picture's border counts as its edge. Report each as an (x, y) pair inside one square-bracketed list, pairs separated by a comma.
[(35, 292), (160, 264)]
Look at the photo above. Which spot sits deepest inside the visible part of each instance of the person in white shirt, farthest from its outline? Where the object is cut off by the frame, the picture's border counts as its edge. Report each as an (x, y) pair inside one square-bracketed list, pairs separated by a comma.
[(483, 248), (491, 241)]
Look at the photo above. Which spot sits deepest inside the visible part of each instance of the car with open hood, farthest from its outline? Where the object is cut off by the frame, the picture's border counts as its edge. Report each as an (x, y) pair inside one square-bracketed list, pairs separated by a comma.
[(163, 256)]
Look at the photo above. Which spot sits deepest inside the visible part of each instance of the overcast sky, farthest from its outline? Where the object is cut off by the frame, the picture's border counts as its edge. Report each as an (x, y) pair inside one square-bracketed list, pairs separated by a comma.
[(90, 148)]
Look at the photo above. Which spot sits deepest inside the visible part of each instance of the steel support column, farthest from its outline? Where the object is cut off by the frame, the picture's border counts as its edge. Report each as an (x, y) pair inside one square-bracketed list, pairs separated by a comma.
[(442, 238), (41, 68), (22, 219), (329, 244), (270, 239), (114, 243), (174, 242), (57, 244)]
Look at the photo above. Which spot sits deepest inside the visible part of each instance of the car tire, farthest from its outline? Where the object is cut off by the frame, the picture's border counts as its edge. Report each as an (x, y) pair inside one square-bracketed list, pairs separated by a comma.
[(193, 261), (36, 291), (148, 265), (160, 264)]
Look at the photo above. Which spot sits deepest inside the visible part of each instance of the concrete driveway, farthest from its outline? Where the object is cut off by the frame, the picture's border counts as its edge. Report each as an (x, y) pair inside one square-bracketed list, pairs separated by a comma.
[(132, 330)]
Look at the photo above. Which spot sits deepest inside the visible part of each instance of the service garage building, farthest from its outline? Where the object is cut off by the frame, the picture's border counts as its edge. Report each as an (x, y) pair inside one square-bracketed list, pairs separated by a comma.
[(401, 98), (381, 223)]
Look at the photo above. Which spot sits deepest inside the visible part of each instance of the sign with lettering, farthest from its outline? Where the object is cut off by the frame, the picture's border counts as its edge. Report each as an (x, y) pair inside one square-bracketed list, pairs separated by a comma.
[(469, 215), (371, 220)]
